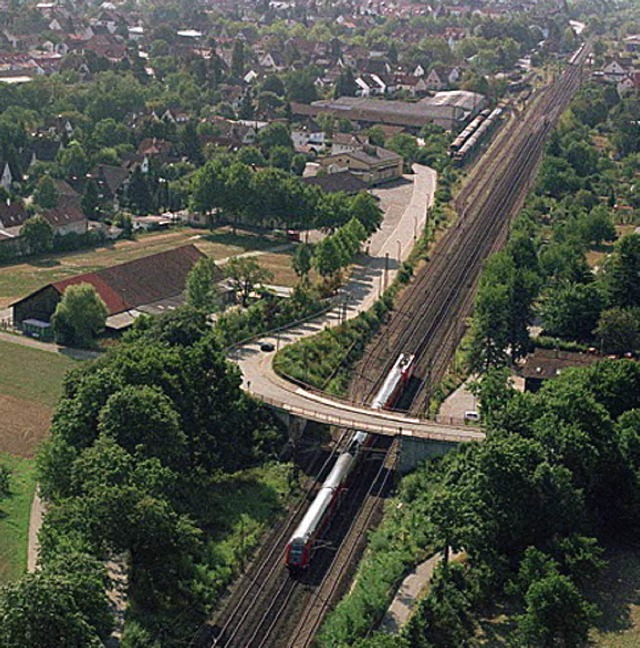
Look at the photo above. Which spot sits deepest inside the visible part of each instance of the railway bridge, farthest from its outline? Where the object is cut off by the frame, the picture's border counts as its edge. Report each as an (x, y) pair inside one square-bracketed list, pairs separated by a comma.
[(420, 438)]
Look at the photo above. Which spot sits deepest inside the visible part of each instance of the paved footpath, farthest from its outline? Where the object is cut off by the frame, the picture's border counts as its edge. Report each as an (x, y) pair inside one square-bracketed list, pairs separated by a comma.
[(410, 591)]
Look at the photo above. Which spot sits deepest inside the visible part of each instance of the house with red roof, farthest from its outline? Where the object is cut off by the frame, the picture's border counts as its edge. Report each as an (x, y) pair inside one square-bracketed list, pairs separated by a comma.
[(153, 284)]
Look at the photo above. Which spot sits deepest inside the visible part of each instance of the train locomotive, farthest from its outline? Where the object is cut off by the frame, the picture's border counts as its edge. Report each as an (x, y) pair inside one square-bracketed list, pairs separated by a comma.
[(301, 545)]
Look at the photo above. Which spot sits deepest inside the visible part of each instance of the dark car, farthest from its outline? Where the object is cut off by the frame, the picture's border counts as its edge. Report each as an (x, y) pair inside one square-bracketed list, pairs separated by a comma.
[(267, 346)]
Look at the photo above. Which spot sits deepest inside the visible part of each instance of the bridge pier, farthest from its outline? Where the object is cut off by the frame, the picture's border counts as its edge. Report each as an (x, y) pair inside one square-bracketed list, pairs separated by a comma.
[(294, 424), (414, 450)]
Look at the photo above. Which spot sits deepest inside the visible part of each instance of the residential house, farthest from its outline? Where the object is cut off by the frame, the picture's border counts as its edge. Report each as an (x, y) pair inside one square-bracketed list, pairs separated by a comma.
[(44, 150), (348, 142), (273, 60), (616, 68), (547, 364), (442, 78), (414, 85), (111, 180), (370, 85), (66, 218), (629, 83), (12, 217)]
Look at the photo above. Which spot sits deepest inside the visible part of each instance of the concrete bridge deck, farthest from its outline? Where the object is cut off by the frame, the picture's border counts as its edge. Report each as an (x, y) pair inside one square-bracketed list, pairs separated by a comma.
[(262, 382)]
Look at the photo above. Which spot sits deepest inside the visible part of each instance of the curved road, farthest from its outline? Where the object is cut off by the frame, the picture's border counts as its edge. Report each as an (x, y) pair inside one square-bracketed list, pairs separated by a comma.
[(394, 240)]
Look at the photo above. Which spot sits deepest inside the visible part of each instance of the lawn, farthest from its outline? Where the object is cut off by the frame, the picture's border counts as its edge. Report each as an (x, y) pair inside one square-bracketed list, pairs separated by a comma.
[(20, 279), (14, 517)]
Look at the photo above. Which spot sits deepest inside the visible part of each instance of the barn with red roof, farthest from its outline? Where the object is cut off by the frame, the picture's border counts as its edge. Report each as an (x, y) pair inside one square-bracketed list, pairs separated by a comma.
[(151, 284)]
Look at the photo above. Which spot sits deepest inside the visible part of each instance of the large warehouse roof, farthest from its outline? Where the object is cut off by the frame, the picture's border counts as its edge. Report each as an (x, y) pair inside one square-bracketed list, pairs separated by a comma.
[(445, 109), (142, 281)]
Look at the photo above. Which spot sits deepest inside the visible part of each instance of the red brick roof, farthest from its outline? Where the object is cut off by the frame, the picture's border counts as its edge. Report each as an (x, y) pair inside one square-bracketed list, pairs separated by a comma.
[(143, 281)]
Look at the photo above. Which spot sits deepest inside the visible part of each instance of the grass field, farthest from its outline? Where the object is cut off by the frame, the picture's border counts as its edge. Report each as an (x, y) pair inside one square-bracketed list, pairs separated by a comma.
[(31, 374), (14, 517), (20, 279), (618, 597), (30, 385)]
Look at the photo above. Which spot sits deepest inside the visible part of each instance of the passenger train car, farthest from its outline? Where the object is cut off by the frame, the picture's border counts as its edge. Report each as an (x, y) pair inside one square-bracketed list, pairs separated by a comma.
[(302, 543)]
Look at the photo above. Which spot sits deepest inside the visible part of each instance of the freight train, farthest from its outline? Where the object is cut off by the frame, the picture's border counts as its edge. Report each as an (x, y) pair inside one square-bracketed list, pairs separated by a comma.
[(470, 145), (302, 543)]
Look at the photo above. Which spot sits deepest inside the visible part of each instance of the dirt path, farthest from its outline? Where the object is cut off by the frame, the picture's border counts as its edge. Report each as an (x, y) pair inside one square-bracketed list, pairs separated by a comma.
[(35, 522)]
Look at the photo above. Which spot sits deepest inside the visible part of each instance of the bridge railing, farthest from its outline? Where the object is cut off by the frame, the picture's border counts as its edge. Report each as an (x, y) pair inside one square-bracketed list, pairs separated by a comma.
[(390, 429)]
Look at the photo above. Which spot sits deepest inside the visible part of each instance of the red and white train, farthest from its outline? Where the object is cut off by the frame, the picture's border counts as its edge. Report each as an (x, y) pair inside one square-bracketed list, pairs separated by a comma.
[(301, 545)]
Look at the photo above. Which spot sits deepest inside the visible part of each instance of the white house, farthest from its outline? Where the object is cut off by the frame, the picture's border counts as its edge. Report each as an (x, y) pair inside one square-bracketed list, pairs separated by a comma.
[(614, 70)]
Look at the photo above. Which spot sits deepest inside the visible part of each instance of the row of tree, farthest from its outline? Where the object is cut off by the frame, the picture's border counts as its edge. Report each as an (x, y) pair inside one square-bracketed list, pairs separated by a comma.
[(272, 196)]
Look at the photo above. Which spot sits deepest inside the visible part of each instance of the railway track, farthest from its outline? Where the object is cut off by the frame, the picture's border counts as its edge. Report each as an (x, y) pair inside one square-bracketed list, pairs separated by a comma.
[(429, 319), (264, 612), (270, 609)]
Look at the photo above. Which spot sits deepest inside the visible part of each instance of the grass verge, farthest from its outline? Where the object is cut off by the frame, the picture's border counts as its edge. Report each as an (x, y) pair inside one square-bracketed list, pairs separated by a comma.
[(14, 517)]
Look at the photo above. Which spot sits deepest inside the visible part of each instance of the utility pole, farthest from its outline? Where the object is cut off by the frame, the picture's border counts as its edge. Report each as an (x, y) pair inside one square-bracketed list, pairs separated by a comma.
[(386, 271)]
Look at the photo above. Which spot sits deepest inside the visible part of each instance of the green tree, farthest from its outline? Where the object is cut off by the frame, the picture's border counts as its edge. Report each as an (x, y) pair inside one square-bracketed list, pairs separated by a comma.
[(51, 608), (79, 316), (246, 273), (5, 481), (275, 134), (237, 59), (298, 164), (46, 194), (190, 143), (280, 157), (556, 614), (346, 84), (489, 332), (622, 272), (73, 161), (142, 420), (37, 234), (365, 208), (301, 260), (300, 86), (109, 133), (404, 145), (327, 259), (138, 193), (91, 200), (202, 290), (571, 310), (597, 226), (619, 330)]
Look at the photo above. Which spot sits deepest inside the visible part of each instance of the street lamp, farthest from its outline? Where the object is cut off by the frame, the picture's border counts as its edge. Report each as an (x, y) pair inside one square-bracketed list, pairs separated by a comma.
[(415, 229), (399, 250)]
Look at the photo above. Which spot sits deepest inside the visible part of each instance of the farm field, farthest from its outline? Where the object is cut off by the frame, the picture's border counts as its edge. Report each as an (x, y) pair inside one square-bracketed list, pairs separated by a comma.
[(14, 517), (18, 280)]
